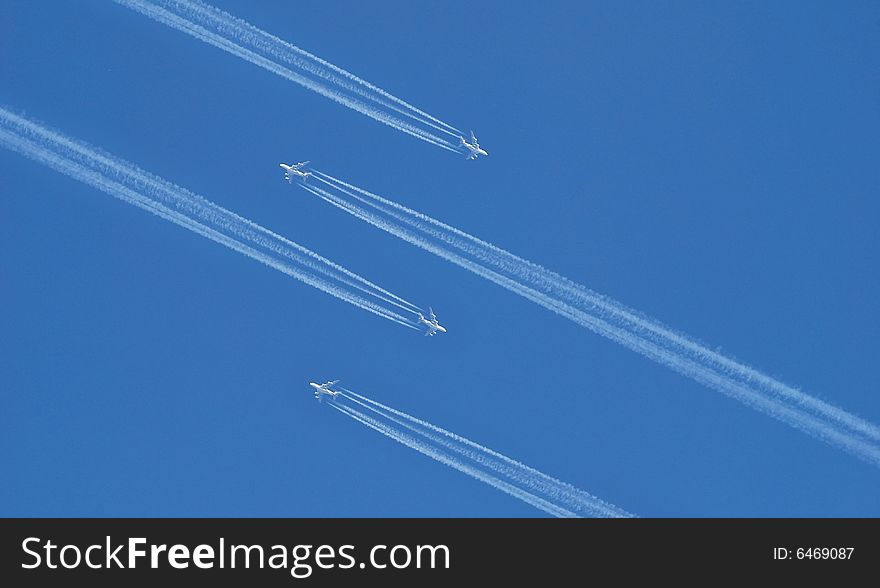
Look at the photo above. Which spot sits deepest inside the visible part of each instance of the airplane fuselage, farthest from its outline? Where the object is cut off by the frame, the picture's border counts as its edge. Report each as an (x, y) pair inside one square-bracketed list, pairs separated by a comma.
[(474, 149), (292, 171), (321, 389), (433, 326)]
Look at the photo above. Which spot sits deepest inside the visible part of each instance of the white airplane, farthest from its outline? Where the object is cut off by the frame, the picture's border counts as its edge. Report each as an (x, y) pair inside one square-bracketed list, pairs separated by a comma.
[(433, 325), (473, 147), (322, 390), (294, 170)]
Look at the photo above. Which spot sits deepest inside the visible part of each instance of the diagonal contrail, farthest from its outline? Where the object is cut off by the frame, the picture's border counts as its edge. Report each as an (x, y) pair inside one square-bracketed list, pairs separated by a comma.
[(239, 38), (252, 36), (512, 477), (559, 492), (129, 183), (609, 318), (425, 449)]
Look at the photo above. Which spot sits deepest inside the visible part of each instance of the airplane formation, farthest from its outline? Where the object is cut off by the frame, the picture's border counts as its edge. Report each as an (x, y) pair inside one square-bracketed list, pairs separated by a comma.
[(188, 210)]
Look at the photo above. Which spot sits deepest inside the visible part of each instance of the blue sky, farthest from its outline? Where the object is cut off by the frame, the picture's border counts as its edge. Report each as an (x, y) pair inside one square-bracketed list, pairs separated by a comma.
[(711, 164)]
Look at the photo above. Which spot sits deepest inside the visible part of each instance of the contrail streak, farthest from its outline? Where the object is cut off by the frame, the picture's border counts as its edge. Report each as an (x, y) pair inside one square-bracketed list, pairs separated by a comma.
[(247, 34), (129, 183), (425, 449), (516, 479), (561, 493), (610, 319), (239, 38)]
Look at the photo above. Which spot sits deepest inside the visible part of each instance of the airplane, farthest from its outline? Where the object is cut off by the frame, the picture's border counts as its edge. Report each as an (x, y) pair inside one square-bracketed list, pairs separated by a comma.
[(324, 390), (473, 147), (432, 324), (295, 170)]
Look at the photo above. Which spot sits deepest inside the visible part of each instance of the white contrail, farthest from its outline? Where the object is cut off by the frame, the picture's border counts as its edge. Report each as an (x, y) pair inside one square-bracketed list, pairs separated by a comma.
[(166, 200), (426, 449), (181, 198), (538, 483), (529, 271), (248, 34), (191, 18), (611, 319), (414, 441)]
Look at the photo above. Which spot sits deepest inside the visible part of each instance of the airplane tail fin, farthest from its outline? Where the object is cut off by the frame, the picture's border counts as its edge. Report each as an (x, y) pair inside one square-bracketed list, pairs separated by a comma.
[(461, 141)]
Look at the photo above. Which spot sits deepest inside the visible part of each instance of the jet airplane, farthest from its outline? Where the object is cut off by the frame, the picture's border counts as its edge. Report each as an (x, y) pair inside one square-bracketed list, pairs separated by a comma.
[(433, 326), (324, 389), (295, 170), (473, 147)]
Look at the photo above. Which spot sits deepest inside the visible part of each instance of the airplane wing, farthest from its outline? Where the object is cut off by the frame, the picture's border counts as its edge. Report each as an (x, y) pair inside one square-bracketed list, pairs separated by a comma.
[(433, 316), (302, 163), (328, 384)]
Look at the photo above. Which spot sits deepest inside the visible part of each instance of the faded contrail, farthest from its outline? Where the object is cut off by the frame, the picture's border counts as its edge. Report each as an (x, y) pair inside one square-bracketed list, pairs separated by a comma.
[(529, 485), (129, 183), (610, 319), (239, 38)]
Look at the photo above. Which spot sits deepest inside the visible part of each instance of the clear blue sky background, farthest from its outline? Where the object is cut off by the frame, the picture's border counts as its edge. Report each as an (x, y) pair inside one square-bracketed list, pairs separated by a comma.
[(712, 164)]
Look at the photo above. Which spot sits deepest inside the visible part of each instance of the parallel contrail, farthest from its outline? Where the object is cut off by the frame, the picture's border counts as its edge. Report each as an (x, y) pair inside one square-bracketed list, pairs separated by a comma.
[(439, 456), (516, 479), (249, 35), (239, 38), (133, 185), (609, 318), (561, 493)]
